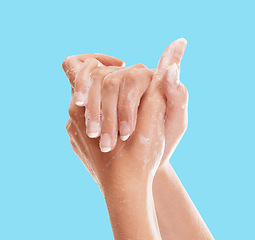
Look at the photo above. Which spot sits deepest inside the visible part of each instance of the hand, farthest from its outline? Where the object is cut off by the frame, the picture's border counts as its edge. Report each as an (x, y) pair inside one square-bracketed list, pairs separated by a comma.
[(129, 196), (104, 91), (88, 83), (98, 163), (176, 98), (125, 174)]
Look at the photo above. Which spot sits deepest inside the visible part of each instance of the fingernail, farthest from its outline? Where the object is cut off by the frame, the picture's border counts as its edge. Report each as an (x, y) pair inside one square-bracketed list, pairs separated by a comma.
[(172, 75), (79, 98), (93, 129), (179, 47), (105, 142), (124, 138), (124, 130)]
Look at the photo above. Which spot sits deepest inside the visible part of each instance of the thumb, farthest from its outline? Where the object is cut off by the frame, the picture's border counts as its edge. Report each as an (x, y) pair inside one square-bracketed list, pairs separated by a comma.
[(155, 94), (152, 109), (173, 54), (176, 120)]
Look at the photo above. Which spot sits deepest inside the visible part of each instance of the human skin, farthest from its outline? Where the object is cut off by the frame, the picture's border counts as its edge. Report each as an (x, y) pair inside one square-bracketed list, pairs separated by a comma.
[(173, 102), (131, 163)]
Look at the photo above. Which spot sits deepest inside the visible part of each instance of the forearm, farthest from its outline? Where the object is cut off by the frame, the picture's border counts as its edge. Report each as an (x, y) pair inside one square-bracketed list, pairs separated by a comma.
[(177, 216), (131, 210)]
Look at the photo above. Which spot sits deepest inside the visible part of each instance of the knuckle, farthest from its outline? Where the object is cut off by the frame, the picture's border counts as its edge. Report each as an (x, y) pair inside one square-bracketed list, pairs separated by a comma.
[(140, 75), (141, 65), (110, 84), (107, 115), (98, 73), (67, 62), (131, 72), (92, 61), (109, 120), (125, 107), (133, 77), (72, 112), (92, 114)]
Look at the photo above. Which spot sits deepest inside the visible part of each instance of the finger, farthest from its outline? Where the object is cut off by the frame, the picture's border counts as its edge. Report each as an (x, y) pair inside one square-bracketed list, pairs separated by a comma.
[(72, 64), (104, 59), (93, 108), (76, 113), (83, 81), (175, 91), (176, 120), (132, 88), (109, 127), (173, 54), (150, 129), (151, 119)]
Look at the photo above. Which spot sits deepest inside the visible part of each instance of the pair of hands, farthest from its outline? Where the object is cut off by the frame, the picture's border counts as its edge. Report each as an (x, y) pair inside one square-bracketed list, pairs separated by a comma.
[(148, 108)]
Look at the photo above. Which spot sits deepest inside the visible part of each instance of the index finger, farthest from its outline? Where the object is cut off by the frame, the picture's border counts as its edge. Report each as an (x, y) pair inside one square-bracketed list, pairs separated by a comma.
[(72, 64)]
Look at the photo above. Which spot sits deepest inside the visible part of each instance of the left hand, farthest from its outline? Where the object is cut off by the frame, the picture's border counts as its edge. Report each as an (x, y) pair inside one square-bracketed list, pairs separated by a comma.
[(175, 92)]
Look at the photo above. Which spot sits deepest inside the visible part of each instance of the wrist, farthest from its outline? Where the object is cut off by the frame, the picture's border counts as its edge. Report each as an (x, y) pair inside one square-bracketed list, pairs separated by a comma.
[(126, 181), (164, 171), (126, 185), (131, 210)]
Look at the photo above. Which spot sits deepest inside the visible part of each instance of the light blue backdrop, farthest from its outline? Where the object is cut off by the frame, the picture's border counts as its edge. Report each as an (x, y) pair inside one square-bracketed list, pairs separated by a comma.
[(45, 192)]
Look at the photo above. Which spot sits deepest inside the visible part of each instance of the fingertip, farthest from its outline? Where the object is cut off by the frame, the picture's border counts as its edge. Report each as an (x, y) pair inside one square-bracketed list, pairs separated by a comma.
[(173, 53), (179, 48), (92, 129), (124, 138), (105, 149), (184, 40), (105, 142), (79, 103), (93, 135), (79, 99), (124, 130)]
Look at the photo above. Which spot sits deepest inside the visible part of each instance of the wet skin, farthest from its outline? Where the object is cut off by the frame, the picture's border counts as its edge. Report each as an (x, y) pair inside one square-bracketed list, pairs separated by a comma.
[(124, 126)]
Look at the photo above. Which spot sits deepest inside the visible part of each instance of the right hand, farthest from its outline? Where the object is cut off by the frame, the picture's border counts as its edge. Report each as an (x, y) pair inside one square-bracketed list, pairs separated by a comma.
[(140, 155)]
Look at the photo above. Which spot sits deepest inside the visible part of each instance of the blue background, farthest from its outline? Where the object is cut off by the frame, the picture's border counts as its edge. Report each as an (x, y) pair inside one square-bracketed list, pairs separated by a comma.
[(45, 191)]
